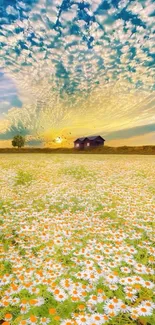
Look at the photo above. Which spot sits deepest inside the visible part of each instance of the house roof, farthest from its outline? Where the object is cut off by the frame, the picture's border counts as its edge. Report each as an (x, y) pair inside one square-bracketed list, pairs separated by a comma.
[(95, 137), (89, 138), (80, 139)]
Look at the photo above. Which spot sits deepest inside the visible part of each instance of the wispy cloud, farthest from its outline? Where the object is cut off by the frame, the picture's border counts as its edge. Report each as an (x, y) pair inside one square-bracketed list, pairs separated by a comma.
[(131, 132)]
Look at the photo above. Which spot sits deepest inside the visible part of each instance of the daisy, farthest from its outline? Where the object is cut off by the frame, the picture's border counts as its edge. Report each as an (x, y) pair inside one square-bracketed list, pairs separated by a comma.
[(150, 271), (97, 318), (52, 311), (124, 308), (112, 279), (148, 303), (134, 313), (81, 307), (130, 296), (33, 302), (102, 298), (129, 261), (125, 269), (105, 318), (82, 319), (24, 303), (44, 320), (122, 281), (23, 322), (62, 296), (132, 250), (129, 280), (144, 310), (5, 301), (24, 309), (33, 320), (34, 290), (8, 317), (113, 287), (15, 301), (138, 279), (129, 289), (148, 284), (93, 299), (40, 301), (111, 308)]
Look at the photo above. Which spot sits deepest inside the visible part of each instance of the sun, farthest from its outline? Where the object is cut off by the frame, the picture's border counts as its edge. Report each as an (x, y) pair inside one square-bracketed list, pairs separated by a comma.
[(58, 139)]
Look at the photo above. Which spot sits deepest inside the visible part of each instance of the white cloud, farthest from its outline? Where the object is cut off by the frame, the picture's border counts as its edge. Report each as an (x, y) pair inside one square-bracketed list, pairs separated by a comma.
[(21, 5), (135, 7), (123, 3), (95, 4), (101, 19), (69, 15), (143, 10), (11, 11)]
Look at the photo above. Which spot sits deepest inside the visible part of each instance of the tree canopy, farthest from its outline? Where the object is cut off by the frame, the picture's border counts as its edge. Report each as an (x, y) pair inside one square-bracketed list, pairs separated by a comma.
[(18, 141)]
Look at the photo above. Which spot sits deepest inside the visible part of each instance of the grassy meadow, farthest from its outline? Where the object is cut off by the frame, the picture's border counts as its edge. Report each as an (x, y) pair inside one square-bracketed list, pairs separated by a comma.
[(77, 239)]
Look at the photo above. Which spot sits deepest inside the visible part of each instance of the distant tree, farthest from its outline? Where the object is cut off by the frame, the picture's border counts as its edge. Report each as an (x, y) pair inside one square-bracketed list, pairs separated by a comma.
[(18, 141)]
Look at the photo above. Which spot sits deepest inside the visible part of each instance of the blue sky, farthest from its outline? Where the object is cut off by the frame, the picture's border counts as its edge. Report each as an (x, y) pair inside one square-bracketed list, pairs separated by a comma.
[(8, 94), (73, 68)]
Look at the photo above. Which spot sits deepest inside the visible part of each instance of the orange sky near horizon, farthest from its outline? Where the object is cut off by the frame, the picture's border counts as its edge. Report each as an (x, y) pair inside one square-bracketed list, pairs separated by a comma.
[(145, 139)]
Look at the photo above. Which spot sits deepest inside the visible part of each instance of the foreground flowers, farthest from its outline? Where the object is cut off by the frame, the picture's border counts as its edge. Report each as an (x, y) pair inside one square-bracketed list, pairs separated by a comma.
[(77, 240)]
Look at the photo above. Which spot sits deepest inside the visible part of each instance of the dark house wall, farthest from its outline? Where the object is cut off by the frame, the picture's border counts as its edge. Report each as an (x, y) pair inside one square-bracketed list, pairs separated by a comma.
[(94, 143), (81, 145)]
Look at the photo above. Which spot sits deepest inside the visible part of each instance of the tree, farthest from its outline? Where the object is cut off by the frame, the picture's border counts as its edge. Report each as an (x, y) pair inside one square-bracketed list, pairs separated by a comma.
[(18, 141)]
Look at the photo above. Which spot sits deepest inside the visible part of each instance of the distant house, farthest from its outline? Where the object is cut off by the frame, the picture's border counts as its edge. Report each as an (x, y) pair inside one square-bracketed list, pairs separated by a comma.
[(89, 142)]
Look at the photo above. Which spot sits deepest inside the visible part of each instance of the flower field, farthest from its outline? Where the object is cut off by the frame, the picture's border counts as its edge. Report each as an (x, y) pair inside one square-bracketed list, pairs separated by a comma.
[(77, 239)]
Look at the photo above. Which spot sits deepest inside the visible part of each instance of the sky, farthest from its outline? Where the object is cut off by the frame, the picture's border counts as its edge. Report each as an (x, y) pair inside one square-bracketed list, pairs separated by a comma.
[(70, 69)]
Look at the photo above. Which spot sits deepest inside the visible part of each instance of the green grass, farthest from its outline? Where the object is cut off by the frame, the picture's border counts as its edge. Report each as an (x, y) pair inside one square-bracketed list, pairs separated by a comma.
[(23, 178)]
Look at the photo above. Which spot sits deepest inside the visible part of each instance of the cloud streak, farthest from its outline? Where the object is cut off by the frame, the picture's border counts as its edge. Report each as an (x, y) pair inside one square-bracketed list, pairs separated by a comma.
[(131, 132)]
